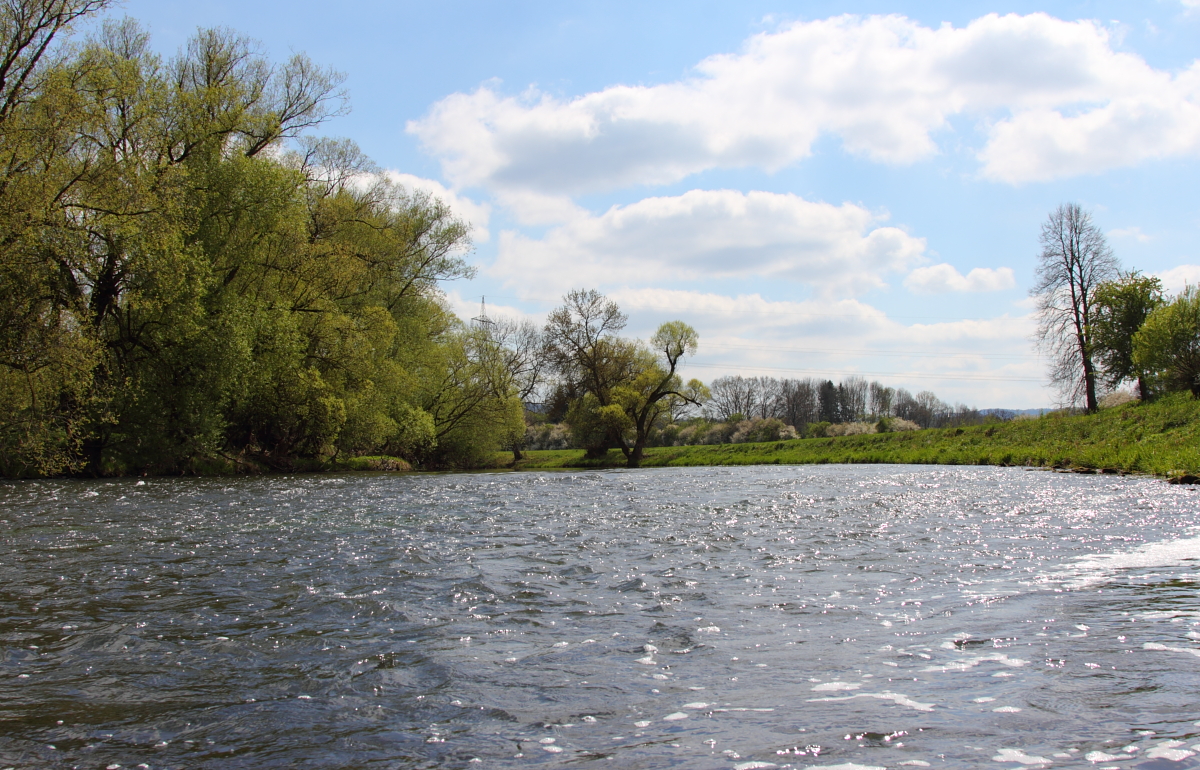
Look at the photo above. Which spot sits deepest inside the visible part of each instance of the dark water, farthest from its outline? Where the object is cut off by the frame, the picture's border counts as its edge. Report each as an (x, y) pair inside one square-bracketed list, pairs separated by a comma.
[(870, 616)]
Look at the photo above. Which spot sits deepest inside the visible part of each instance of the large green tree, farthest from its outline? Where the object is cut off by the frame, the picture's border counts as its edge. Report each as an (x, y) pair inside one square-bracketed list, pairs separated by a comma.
[(1122, 306), (1168, 343), (186, 275), (620, 388)]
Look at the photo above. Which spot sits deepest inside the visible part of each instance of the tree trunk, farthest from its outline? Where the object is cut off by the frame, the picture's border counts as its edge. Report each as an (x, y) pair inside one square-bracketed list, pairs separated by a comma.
[(1089, 379)]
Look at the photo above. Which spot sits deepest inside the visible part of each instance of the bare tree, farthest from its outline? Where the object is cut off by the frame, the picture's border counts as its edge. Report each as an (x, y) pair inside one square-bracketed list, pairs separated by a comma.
[(1075, 259), (798, 402), (880, 398), (769, 393), (854, 391), (731, 396)]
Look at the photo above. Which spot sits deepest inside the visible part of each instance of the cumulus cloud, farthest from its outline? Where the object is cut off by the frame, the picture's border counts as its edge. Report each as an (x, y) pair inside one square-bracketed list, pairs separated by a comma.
[(705, 234), (1178, 278), (939, 279), (1052, 97), (475, 214)]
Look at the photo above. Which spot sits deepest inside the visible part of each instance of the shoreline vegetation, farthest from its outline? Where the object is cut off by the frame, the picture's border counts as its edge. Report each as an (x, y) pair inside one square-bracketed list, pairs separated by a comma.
[(1161, 438)]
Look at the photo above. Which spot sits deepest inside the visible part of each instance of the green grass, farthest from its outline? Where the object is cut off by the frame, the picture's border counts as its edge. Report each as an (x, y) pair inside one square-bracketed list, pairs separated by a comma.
[(1161, 438)]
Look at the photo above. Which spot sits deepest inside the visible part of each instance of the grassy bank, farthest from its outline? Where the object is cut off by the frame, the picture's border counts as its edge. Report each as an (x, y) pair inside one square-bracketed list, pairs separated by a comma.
[(1161, 438)]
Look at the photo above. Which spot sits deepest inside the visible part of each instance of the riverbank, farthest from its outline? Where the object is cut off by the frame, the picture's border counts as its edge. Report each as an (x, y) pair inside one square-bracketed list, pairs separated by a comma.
[(1160, 438)]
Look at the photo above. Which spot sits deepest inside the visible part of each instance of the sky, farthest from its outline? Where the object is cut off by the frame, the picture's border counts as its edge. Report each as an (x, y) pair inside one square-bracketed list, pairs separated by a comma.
[(821, 189)]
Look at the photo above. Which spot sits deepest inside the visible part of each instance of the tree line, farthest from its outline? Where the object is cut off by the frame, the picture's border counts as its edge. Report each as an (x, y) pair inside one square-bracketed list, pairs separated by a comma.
[(801, 402), (190, 280), (1103, 327), (187, 276)]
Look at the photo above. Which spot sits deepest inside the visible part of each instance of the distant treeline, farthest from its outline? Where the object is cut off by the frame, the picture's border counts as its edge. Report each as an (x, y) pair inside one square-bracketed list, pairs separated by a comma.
[(751, 409)]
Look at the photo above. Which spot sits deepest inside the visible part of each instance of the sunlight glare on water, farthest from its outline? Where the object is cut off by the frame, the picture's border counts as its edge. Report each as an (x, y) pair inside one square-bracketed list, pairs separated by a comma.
[(852, 617)]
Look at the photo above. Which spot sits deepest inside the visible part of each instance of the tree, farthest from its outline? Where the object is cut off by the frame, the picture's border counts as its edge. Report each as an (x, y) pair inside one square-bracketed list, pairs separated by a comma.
[(1075, 260), (183, 276), (618, 388), (733, 396), (657, 389), (1168, 343), (1122, 306)]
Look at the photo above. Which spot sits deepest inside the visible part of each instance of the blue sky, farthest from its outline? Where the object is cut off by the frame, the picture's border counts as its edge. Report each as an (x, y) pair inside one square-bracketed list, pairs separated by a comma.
[(821, 189)]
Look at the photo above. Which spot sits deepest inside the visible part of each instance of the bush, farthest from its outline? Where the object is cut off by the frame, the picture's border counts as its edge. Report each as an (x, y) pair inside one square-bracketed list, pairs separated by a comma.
[(850, 429), (895, 425), (816, 429), (769, 429), (548, 436)]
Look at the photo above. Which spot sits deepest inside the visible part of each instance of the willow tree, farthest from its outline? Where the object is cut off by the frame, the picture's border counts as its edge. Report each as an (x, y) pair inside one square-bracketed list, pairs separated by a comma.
[(621, 387), (1075, 260), (183, 275)]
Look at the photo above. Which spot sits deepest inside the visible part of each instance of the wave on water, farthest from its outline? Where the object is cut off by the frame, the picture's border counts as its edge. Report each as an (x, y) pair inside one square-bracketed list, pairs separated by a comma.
[(1098, 569)]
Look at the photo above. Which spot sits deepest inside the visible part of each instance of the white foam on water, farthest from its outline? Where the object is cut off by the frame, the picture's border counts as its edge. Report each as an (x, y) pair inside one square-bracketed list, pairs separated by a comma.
[(1165, 648), (552, 749), (675, 717), (970, 663), (1016, 755), (696, 705), (1006, 710), (1089, 571), (895, 697), (642, 723), (835, 686), (915, 763), (984, 699), (1169, 750), (755, 765), (1100, 756), (847, 766)]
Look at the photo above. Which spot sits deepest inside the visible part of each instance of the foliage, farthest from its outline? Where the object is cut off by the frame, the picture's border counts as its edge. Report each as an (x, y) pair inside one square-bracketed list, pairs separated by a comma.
[(1168, 343), (186, 281), (1122, 306), (618, 391)]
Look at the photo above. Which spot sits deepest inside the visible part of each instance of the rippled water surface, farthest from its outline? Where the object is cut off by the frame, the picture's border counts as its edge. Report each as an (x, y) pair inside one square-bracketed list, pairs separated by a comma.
[(868, 616)]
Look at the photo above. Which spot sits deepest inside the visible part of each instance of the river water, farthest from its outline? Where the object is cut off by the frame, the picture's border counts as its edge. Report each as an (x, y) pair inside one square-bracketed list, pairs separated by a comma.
[(861, 616)]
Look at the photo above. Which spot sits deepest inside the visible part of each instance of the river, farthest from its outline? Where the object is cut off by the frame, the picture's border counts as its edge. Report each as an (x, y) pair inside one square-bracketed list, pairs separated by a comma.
[(741, 618)]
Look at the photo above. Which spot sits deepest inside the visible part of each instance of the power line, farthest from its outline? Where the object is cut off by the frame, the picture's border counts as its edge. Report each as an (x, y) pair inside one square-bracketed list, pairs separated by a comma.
[(865, 351), (893, 375)]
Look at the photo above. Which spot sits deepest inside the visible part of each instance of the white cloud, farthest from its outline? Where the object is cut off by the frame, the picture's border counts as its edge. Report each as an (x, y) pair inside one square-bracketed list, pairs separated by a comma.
[(985, 362), (475, 214), (1054, 98), (1177, 278), (939, 279), (1131, 232), (706, 234)]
